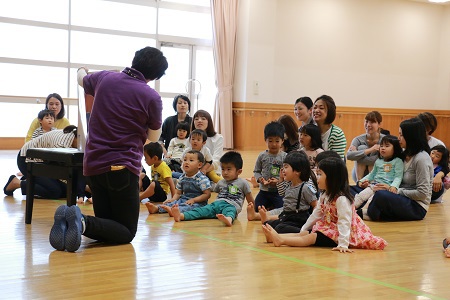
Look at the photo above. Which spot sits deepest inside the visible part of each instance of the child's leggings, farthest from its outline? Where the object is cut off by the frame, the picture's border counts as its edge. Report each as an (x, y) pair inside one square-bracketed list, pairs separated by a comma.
[(211, 210)]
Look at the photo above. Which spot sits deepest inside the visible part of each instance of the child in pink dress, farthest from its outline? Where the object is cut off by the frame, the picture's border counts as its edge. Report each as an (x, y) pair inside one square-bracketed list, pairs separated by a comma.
[(334, 222)]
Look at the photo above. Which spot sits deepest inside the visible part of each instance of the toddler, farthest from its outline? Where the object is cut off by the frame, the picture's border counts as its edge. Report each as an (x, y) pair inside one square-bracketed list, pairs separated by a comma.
[(162, 182), (440, 157), (231, 190), (268, 166), (387, 173), (46, 119), (311, 142), (193, 188), (298, 197), (198, 140), (334, 222), (176, 147)]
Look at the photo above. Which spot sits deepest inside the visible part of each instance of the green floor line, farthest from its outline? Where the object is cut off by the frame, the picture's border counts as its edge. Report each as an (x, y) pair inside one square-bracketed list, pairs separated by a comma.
[(303, 262)]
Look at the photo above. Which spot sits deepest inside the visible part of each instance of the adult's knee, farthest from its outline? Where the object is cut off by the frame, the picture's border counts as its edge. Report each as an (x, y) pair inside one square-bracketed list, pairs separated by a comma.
[(377, 205), (381, 196)]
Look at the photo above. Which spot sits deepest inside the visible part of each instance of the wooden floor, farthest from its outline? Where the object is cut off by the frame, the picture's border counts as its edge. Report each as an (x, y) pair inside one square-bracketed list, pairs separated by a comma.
[(205, 260)]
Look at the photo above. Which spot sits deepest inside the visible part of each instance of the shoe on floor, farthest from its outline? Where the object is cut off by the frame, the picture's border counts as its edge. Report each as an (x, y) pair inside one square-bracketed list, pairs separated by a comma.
[(9, 193), (58, 231), (74, 228)]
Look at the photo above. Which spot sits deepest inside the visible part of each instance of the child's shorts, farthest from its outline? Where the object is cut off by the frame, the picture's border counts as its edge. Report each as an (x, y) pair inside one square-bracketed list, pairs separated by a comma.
[(323, 241), (159, 195)]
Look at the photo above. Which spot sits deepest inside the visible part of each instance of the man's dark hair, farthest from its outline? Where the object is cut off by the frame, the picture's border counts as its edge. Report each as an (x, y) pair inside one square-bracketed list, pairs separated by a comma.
[(150, 62)]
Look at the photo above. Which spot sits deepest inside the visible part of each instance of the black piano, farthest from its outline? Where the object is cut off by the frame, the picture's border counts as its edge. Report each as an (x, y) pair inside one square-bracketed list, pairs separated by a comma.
[(56, 163)]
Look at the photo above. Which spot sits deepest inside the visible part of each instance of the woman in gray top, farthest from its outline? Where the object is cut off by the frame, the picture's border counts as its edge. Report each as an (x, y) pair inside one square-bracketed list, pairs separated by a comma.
[(413, 197), (364, 148)]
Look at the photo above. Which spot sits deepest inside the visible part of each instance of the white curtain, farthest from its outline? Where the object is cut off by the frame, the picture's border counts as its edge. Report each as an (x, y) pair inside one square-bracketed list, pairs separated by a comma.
[(224, 18)]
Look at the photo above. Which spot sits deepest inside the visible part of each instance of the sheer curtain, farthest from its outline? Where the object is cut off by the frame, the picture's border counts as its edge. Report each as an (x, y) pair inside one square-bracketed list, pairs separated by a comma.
[(224, 15)]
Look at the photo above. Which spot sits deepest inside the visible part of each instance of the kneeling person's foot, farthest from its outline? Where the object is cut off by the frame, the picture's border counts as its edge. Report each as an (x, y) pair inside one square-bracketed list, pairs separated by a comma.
[(75, 225), (59, 228)]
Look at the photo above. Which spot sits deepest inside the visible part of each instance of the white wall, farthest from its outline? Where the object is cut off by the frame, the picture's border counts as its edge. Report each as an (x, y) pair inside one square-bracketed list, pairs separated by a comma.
[(382, 53), (443, 91)]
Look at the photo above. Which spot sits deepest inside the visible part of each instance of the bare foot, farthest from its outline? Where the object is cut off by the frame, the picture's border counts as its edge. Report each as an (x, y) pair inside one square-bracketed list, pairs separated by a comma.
[(251, 214), (80, 200), (267, 234), (177, 216), (447, 252), (274, 236), (90, 200), (226, 220), (152, 208), (168, 209), (252, 180), (263, 213)]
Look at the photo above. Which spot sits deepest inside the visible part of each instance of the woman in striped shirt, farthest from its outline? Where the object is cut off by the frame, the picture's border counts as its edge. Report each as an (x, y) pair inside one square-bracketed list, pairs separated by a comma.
[(44, 187), (324, 113)]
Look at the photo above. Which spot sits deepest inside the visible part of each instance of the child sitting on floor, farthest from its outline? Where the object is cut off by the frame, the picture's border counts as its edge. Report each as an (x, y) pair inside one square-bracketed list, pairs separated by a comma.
[(197, 142), (440, 157), (268, 166), (334, 222), (162, 182), (264, 215), (232, 192), (298, 197), (193, 187)]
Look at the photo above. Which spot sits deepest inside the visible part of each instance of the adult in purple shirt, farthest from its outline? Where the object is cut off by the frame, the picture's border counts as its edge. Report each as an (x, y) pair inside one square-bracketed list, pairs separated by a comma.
[(126, 112)]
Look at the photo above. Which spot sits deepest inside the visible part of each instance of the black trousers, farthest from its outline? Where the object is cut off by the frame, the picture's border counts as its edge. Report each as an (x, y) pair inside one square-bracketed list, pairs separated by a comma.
[(116, 207), (289, 222)]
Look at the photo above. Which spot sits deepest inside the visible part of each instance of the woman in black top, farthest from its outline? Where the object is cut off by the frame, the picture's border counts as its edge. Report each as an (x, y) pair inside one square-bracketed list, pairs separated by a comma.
[(182, 106)]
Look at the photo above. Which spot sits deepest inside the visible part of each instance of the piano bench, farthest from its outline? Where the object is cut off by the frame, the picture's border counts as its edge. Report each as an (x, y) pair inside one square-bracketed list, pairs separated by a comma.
[(57, 163)]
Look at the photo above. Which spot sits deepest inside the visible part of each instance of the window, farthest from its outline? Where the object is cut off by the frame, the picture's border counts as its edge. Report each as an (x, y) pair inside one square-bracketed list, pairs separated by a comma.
[(44, 42), (30, 42), (105, 49), (114, 15), (54, 11)]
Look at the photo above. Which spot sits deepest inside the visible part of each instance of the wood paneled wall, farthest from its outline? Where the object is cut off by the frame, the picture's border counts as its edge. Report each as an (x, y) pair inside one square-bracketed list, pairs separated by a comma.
[(11, 143), (249, 120)]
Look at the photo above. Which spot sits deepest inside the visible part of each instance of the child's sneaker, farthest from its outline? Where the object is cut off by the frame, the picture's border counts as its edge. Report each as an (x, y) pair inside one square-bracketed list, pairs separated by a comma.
[(58, 231), (75, 222)]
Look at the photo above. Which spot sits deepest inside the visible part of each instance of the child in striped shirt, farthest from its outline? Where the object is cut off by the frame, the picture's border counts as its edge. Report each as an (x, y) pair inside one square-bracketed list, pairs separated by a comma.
[(46, 118)]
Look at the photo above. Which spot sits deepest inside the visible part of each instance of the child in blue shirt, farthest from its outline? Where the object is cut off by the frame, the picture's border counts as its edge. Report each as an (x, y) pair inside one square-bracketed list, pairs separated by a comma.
[(440, 157), (193, 187)]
